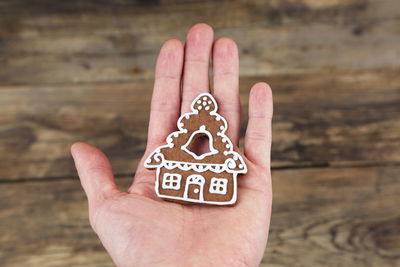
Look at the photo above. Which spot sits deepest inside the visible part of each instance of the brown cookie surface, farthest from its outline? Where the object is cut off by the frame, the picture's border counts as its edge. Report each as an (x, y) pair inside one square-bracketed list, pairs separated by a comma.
[(188, 175)]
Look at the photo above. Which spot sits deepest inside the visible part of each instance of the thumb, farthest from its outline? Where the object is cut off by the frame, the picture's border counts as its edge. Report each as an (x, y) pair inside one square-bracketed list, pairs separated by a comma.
[(94, 170)]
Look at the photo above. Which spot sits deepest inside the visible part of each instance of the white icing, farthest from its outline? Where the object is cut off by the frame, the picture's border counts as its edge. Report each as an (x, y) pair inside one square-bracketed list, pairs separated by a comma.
[(196, 180), (230, 163), (218, 186), (158, 157), (171, 181), (197, 167)]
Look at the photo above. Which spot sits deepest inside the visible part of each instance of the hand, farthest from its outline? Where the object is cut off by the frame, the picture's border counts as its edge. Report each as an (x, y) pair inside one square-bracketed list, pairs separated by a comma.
[(136, 227)]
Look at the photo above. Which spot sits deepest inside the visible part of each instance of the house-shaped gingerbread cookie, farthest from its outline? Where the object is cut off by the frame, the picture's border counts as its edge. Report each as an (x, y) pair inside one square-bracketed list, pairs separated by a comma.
[(184, 175)]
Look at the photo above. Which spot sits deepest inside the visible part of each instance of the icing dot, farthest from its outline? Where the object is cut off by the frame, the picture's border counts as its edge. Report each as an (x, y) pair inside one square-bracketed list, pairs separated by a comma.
[(241, 166), (222, 127), (200, 107), (235, 157), (218, 118), (207, 108), (209, 102), (228, 146), (196, 190), (204, 103), (148, 161), (176, 134), (187, 116), (202, 127), (171, 145), (225, 153), (198, 101), (204, 98), (181, 124)]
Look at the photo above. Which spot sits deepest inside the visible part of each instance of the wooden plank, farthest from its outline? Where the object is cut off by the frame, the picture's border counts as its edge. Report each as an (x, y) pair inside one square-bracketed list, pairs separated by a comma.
[(22, 20), (335, 118), (290, 36), (321, 217), (294, 8)]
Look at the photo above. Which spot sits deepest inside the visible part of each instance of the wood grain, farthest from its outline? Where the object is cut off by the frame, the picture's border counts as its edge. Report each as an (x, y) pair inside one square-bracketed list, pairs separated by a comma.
[(321, 217), (335, 217), (285, 37), (44, 7), (82, 71), (335, 118)]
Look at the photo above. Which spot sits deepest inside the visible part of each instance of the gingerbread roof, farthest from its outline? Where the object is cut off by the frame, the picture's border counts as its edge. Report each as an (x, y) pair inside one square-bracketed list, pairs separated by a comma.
[(203, 120)]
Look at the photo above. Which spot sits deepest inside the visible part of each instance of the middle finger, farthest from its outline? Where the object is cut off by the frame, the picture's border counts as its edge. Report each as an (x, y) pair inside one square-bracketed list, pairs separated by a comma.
[(198, 47)]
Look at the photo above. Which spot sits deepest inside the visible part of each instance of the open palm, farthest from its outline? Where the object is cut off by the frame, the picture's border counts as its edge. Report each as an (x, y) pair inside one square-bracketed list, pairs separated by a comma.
[(136, 227)]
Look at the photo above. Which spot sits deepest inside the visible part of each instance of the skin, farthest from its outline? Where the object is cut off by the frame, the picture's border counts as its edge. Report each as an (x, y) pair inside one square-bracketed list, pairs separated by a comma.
[(136, 227)]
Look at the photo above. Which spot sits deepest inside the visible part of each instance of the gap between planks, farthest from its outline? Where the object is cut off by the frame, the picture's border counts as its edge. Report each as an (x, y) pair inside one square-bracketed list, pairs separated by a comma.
[(279, 168)]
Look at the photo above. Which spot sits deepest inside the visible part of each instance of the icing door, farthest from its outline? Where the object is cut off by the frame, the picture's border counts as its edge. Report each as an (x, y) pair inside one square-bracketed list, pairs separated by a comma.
[(194, 187)]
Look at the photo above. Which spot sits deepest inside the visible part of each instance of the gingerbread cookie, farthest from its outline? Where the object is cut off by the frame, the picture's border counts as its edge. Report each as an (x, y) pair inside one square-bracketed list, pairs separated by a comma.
[(185, 176)]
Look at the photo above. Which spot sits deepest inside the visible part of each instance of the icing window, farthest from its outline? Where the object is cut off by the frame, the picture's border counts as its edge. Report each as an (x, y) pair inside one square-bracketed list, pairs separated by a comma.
[(171, 181), (218, 186)]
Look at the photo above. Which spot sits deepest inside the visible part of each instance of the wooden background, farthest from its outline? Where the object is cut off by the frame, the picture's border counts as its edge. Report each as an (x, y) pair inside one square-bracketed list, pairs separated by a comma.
[(83, 70)]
